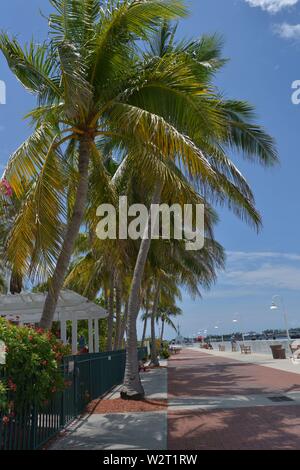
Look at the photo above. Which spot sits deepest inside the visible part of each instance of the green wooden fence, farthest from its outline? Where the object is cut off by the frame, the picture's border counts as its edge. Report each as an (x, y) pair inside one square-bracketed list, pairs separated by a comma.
[(90, 377)]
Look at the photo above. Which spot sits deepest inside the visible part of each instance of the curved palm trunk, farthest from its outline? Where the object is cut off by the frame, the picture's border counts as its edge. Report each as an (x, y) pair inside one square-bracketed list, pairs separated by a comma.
[(162, 331), (118, 313), (123, 326), (154, 358), (146, 317), (72, 231), (132, 387), (110, 318), (145, 329)]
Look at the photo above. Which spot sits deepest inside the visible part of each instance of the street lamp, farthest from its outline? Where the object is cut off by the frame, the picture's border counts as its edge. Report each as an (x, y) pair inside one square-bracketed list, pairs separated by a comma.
[(274, 306), (235, 320), (216, 328)]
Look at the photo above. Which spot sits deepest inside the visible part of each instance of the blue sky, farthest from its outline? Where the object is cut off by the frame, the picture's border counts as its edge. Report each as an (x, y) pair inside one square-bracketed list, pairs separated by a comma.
[(262, 40)]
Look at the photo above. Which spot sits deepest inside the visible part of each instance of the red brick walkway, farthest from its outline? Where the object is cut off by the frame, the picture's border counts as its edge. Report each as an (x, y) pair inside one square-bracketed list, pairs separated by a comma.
[(193, 374)]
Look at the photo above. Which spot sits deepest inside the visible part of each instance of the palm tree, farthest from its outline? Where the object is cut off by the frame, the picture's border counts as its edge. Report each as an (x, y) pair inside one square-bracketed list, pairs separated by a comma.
[(228, 124), (166, 291), (86, 79), (146, 302), (173, 268), (165, 314), (156, 109), (9, 207)]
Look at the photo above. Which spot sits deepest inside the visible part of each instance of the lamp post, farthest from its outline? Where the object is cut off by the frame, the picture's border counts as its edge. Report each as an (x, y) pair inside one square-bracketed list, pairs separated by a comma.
[(274, 306), (216, 328), (235, 320)]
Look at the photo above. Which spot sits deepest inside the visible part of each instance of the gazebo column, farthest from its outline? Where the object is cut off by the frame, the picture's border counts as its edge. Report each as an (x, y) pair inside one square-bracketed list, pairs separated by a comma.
[(74, 336), (96, 329), (63, 331), (91, 336)]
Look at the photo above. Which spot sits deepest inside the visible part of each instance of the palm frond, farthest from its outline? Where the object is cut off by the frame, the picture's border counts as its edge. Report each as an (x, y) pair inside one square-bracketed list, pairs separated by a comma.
[(38, 229), (33, 67)]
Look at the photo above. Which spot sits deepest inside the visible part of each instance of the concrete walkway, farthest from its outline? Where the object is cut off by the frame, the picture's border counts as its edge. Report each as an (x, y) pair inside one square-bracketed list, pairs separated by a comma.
[(139, 431), (216, 401)]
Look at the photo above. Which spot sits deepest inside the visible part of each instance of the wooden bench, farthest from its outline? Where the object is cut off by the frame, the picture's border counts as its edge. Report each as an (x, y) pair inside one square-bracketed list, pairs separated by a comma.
[(245, 349), (175, 349)]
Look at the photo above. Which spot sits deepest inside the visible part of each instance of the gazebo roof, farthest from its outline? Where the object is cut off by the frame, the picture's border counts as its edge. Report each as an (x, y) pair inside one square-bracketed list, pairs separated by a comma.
[(27, 307)]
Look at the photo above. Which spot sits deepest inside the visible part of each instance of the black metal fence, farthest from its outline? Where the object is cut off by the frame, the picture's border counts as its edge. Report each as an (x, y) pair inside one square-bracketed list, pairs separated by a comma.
[(90, 376)]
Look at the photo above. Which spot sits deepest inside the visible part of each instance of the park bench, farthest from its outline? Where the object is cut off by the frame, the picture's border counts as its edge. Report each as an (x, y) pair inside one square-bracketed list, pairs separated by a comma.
[(174, 349), (245, 349)]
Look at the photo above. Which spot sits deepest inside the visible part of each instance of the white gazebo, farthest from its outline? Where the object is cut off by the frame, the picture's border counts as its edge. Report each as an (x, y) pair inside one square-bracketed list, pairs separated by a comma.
[(27, 308)]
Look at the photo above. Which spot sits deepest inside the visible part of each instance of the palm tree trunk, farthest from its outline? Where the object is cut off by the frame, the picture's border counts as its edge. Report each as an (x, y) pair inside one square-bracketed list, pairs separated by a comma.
[(145, 329), (146, 317), (110, 318), (154, 358), (16, 283), (118, 312), (162, 331), (123, 326), (72, 231), (132, 387)]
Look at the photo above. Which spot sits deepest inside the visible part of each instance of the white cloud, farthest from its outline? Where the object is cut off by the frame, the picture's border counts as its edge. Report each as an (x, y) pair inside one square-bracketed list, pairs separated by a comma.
[(288, 31), (272, 6), (249, 272), (266, 276), (256, 255)]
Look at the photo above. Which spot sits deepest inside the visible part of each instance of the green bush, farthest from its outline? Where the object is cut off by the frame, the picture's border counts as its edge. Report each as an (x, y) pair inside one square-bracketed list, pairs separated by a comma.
[(32, 372), (164, 354)]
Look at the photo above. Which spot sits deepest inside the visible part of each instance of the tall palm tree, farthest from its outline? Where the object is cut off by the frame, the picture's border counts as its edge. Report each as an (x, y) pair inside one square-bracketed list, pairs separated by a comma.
[(173, 268), (85, 79), (228, 124), (156, 109), (165, 314)]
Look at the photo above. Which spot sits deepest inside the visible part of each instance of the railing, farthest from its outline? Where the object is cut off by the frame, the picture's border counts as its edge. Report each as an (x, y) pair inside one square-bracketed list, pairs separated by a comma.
[(90, 377), (257, 346)]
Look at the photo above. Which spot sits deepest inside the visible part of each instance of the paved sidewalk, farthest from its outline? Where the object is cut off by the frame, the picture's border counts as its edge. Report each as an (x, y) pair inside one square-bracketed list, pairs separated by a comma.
[(219, 402), (138, 431), (258, 359), (216, 401)]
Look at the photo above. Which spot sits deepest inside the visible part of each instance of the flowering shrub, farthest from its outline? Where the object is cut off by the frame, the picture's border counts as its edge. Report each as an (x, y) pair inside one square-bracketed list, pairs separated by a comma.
[(32, 371), (3, 396), (6, 188)]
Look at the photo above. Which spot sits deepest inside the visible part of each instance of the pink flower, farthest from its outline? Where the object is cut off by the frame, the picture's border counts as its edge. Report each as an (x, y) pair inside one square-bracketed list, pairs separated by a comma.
[(12, 385), (6, 187), (5, 419)]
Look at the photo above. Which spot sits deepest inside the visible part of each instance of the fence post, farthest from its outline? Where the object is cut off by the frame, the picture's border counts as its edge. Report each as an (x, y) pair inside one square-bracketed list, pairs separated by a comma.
[(75, 378), (33, 428), (91, 380), (62, 418)]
